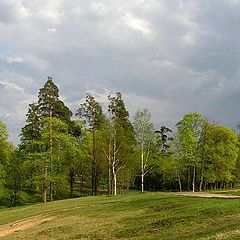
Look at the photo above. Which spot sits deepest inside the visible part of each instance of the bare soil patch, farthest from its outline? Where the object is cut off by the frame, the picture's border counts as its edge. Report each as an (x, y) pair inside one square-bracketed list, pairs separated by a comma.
[(22, 225), (206, 194)]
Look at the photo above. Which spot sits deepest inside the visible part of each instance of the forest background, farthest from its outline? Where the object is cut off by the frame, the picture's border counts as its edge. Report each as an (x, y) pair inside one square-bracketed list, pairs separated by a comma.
[(59, 157)]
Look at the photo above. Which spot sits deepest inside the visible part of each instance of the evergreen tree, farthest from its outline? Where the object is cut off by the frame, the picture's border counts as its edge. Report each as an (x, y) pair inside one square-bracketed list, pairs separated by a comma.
[(41, 117), (50, 105), (32, 129), (91, 110)]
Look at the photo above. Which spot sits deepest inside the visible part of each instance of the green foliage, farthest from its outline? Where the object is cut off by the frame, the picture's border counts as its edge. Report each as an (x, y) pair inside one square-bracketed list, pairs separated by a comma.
[(59, 157), (163, 140), (189, 130), (5, 154), (121, 140), (145, 142), (222, 153), (49, 103), (91, 111), (144, 131)]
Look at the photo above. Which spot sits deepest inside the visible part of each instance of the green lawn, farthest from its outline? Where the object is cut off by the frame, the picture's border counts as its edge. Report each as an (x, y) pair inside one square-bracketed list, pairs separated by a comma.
[(129, 216), (235, 192)]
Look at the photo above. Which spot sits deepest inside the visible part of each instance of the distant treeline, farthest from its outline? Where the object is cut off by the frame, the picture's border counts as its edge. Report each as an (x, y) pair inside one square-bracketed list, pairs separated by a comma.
[(106, 153)]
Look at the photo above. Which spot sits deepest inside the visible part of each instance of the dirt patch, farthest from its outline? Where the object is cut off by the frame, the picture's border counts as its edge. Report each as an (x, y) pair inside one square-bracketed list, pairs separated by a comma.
[(22, 225), (205, 194)]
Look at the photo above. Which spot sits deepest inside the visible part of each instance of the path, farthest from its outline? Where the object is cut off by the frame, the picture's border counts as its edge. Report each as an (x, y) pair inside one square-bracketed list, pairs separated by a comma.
[(206, 194), (21, 225)]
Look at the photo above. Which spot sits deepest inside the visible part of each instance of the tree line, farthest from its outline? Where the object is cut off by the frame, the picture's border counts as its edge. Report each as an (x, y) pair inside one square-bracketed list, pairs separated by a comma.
[(106, 153)]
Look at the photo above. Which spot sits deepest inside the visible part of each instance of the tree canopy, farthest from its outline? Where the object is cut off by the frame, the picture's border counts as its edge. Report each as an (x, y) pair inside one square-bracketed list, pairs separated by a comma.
[(105, 151)]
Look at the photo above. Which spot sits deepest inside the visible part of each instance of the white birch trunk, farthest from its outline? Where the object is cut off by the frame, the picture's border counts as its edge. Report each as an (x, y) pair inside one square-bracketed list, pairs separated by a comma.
[(114, 183)]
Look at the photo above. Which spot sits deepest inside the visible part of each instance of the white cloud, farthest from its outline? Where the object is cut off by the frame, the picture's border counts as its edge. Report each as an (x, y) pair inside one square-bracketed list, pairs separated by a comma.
[(11, 86), (51, 30), (51, 11), (14, 59), (13, 11), (137, 24)]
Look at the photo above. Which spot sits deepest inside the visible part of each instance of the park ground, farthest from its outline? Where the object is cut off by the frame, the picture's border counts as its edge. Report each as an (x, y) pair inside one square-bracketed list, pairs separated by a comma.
[(127, 216)]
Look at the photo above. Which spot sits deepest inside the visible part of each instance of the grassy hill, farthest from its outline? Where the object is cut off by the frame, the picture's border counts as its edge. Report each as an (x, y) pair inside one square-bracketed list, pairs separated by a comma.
[(127, 216)]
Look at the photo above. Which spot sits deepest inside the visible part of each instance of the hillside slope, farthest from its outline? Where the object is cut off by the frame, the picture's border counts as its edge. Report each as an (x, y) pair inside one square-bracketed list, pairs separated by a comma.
[(127, 216)]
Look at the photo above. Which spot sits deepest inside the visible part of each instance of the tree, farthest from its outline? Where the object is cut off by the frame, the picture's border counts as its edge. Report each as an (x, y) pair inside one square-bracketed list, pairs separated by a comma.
[(31, 130), (16, 176), (221, 154), (121, 139), (4, 144), (73, 152), (144, 134), (39, 116), (163, 142), (5, 154), (50, 160), (203, 146), (163, 139), (50, 105), (92, 112), (189, 130)]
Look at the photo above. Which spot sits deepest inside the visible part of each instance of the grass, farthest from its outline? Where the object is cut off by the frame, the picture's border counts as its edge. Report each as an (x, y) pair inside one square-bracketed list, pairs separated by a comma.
[(130, 216), (234, 192)]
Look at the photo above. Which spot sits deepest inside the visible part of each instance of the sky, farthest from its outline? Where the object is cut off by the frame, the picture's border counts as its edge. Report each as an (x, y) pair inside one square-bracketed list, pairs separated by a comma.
[(169, 56)]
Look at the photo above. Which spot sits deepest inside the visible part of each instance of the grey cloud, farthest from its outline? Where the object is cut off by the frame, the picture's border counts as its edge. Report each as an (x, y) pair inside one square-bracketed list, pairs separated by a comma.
[(12, 11)]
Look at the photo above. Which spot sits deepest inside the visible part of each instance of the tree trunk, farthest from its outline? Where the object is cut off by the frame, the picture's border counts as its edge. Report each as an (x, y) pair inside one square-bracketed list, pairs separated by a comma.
[(51, 191), (109, 168), (71, 181), (114, 164), (109, 180), (180, 184), (51, 153), (114, 183), (45, 185), (188, 184), (194, 176), (142, 171), (94, 192), (202, 173)]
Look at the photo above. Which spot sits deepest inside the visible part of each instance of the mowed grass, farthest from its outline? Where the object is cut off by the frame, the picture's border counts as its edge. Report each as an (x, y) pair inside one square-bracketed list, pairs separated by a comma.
[(129, 216), (235, 192)]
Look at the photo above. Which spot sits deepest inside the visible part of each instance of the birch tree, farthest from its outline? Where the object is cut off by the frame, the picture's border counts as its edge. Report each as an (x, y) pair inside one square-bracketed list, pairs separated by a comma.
[(121, 139), (144, 134)]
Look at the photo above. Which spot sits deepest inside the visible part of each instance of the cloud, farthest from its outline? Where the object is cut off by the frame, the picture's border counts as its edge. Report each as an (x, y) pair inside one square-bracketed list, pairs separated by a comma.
[(137, 24), (169, 56), (12, 11)]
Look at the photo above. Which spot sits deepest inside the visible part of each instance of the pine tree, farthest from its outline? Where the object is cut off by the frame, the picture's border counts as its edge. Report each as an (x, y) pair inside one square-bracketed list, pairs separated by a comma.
[(46, 111), (50, 105), (91, 110)]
